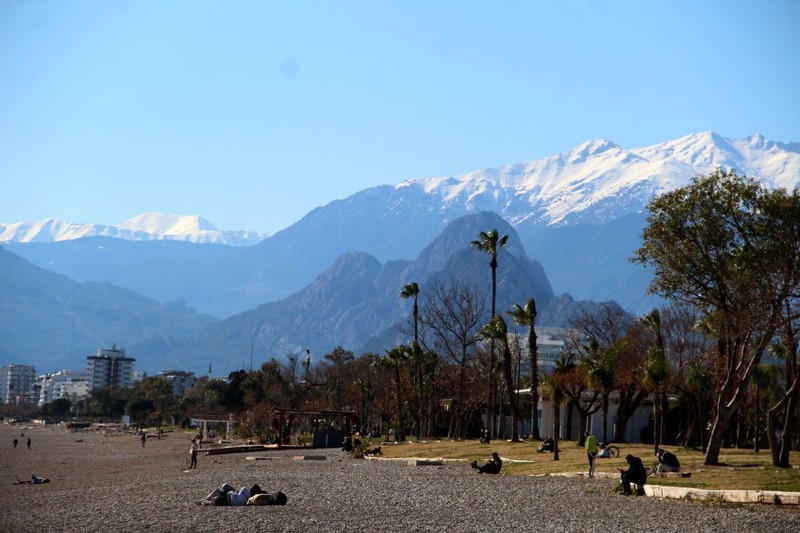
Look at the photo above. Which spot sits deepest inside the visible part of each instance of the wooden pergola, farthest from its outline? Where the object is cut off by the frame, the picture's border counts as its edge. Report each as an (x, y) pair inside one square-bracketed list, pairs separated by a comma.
[(281, 414)]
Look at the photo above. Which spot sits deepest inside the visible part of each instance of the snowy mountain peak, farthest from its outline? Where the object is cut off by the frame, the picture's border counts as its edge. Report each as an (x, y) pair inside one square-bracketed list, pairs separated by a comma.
[(598, 180), (163, 224), (146, 227), (594, 147)]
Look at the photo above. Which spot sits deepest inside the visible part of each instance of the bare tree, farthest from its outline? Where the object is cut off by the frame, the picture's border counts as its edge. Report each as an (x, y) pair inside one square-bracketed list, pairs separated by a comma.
[(451, 316)]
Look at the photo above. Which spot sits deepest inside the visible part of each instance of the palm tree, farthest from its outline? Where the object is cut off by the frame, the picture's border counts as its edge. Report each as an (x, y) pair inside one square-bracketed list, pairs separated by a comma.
[(395, 358), (411, 290), (656, 372), (601, 376), (526, 316), (490, 243), (497, 330), (554, 387)]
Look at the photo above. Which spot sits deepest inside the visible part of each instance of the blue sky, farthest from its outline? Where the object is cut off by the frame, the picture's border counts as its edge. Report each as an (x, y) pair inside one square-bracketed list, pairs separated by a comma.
[(251, 114)]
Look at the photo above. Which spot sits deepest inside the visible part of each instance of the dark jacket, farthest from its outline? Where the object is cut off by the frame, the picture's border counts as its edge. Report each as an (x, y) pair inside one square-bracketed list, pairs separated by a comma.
[(636, 472), (669, 459)]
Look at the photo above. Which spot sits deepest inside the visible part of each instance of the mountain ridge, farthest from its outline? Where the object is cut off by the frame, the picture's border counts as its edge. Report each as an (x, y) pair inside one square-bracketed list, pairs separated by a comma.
[(145, 227), (586, 188), (564, 183)]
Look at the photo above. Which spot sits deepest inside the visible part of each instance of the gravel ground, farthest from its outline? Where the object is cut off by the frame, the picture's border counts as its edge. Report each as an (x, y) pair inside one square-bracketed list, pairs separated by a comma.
[(110, 483)]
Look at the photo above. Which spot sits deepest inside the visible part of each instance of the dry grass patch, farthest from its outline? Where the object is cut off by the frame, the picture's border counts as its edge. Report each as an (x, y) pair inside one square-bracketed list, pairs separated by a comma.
[(740, 469)]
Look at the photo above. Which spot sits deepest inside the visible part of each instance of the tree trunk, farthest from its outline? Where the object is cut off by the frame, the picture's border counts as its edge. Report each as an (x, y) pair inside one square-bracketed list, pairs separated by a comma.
[(722, 419), (556, 427), (512, 399), (400, 433), (534, 355), (788, 407), (756, 433), (628, 403), (490, 416), (656, 424), (570, 413)]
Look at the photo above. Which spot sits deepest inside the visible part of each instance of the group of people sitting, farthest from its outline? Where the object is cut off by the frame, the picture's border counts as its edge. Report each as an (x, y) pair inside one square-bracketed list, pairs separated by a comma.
[(636, 474), (229, 495), (350, 444)]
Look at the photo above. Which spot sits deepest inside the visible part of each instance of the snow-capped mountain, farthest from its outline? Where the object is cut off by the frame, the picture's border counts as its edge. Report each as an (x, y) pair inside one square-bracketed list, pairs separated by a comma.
[(579, 213), (146, 227), (599, 181)]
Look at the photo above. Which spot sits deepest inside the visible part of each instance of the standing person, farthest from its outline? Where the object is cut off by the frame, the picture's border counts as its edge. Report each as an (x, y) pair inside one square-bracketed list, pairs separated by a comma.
[(591, 451), (193, 452), (29, 443), (144, 439), (15, 444)]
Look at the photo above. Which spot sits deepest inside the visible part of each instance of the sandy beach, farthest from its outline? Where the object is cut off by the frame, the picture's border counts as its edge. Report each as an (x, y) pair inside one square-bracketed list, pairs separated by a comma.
[(109, 482)]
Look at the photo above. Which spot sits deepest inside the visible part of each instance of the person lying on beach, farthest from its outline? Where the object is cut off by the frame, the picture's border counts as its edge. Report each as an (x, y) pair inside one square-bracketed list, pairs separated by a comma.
[(34, 480), (228, 495)]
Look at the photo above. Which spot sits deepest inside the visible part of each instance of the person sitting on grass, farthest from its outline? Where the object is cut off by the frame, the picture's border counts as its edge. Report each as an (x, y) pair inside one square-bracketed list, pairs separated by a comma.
[(635, 473), (605, 452), (491, 467), (667, 462), (547, 446)]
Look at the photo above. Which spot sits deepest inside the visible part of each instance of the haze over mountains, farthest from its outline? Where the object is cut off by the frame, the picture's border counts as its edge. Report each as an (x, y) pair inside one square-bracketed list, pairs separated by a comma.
[(146, 227), (577, 217)]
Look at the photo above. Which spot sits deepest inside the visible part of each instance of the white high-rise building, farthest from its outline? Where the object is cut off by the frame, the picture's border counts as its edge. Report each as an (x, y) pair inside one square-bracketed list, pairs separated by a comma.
[(63, 384), (16, 382), (110, 368)]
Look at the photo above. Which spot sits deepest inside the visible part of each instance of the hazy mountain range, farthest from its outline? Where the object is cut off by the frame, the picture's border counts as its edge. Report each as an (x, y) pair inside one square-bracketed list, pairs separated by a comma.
[(578, 215), (146, 227)]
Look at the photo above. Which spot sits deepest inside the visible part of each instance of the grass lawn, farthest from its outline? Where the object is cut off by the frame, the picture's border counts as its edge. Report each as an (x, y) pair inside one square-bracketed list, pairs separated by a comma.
[(738, 469)]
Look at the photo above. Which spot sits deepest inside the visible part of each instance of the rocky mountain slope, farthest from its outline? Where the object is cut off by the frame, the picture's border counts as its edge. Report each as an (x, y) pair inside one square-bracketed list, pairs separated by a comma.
[(571, 211)]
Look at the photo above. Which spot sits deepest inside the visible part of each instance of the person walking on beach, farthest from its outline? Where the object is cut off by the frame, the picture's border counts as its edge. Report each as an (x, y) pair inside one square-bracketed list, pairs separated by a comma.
[(15, 444), (29, 443), (144, 438), (591, 451), (193, 452)]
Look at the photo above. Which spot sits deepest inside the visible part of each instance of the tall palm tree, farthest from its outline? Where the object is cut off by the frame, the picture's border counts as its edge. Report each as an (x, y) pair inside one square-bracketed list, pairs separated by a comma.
[(411, 290), (526, 316), (497, 330), (656, 372), (554, 386), (601, 376), (490, 243), (395, 358)]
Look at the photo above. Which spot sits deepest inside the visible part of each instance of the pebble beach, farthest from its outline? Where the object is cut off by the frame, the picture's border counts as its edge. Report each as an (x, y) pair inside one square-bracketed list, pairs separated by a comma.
[(109, 482)]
